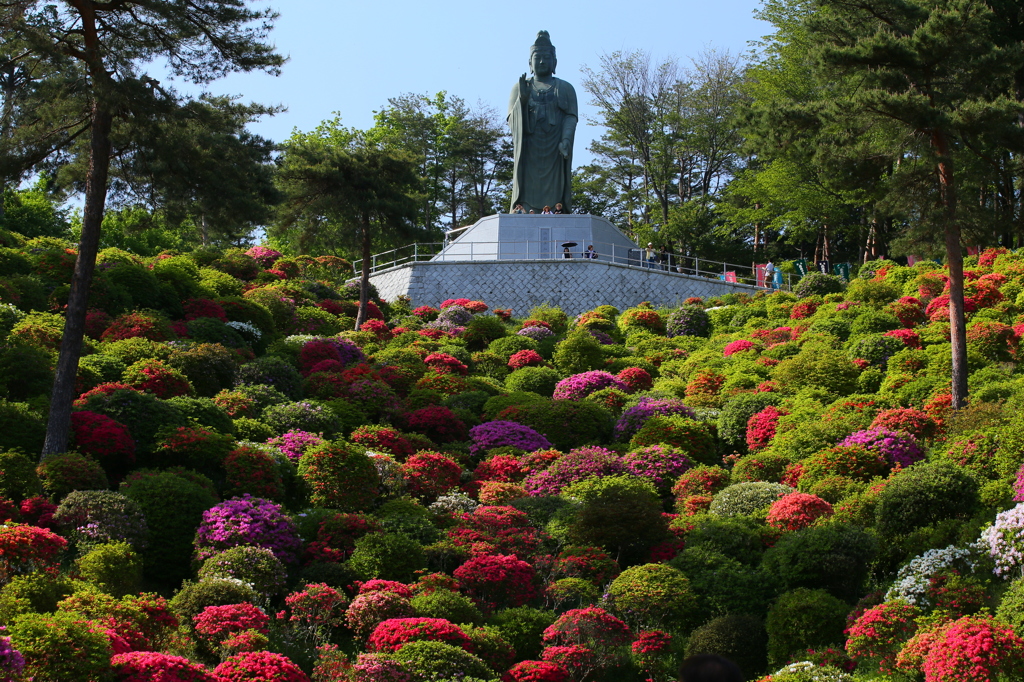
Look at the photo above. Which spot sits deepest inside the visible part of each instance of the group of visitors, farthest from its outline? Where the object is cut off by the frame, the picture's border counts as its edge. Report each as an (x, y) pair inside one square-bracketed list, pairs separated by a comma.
[(589, 253), (653, 257), (559, 210)]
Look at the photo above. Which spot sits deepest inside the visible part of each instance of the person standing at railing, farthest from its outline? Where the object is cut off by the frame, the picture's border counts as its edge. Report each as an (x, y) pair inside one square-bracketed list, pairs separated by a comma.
[(665, 256), (650, 255), (590, 253), (566, 253), (518, 209), (769, 274)]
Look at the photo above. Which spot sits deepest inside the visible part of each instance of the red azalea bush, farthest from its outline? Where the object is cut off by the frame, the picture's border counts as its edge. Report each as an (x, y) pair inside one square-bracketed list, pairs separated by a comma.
[(259, 666), (878, 634), (636, 379), (908, 337), (337, 534), (598, 632), (762, 426), (386, 438), (536, 671), (24, 549), (908, 310), (437, 423), (496, 530), (391, 635), (442, 363), (369, 610), (105, 440), (796, 511), (317, 608), (158, 378), (974, 648), (96, 321), (135, 324), (498, 580), (378, 328), (215, 623), (315, 352), (151, 666), (737, 346), (525, 358), (252, 471), (907, 419), (426, 313), (196, 308), (430, 474)]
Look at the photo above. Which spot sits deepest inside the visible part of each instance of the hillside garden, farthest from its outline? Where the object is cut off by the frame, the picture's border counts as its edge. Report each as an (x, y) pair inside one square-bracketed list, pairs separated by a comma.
[(256, 492)]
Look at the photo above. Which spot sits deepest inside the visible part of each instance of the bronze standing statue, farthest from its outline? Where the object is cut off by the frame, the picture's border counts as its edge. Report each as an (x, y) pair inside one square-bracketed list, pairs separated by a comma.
[(542, 114)]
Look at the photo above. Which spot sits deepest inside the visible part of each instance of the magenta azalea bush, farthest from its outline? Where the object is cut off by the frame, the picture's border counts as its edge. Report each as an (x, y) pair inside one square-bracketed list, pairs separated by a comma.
[(247, 520), (633, 418), (579, 386), (500, 433), (898, 448)]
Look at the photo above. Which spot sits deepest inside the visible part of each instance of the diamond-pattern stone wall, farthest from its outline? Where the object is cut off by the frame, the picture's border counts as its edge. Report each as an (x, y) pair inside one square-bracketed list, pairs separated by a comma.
[(573, 285)]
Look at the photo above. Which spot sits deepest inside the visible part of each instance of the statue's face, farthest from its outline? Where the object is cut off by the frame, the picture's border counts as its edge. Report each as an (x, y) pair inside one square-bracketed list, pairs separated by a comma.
[(542, 63)]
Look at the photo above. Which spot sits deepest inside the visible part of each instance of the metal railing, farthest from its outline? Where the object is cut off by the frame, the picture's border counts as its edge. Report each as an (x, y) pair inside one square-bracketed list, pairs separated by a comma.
[(673, 263)]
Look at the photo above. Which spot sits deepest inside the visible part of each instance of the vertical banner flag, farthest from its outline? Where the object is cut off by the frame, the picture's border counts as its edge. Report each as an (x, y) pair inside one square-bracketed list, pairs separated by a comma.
[(730, 276), (843, 271), (824, 267), (801, 266), (759, 274)]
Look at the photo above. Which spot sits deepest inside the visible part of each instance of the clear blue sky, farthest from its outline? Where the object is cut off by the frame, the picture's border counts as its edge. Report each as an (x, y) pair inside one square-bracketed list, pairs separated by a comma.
[(350, 57)]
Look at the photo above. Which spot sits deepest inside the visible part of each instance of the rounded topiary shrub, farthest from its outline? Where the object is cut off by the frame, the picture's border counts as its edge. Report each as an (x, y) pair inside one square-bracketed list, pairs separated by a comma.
[(579, 352), (388, 556), (925, 494), (833, 557), (736, 413), (92, 517), (818, 284), (340, 476), (256, 566), (539, 380), (302, 416), (21, 427), (653, 596), (694, 438), (173, 507), (688, 320), (452, 606), (744, 499), (193, 597), (436, 660), (62, 474), (60, 647), (803, 619), (740, 638), (115, 568), (271, 371), (18, 478)]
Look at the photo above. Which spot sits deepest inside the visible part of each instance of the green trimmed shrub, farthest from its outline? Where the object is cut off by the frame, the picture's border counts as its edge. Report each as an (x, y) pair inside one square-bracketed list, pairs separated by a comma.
[(37, 592), (924, 494), (653, 596), (522, 627), (818, 284), (737, 411), (340, 476), (836, 558), (803, 619), (256, 566), (815, 366), (539, 380), (429, 660), (388, 556), (143, 413), (508, 346), (21, 427), (114, 568), (311, 416), (18, 478), (745, 499), (193, 597), (203, 412), (60, 647), (723, 585), (1011, 606), (64, 473), (621, 514), (209, 367), (272, 371), (737, 537), (173, 507), (452, 606), (25, 372), (694, 438), (579, 352), (740, 638)]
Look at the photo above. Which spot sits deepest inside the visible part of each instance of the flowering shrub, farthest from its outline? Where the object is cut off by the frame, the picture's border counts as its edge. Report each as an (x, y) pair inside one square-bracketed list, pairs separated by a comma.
[(1005, 541), (294, 444), (316, 609), (24, 549), (576, 465), (251, 471), (907, 419), (688, 320), (316, 352), (263, 255), (490, 530), (430, 473), (372, 608), (105, 440), (694, 438), (437, 423), (151, 666), (157, 378), (762, 426), (498, 580), (215, 623), (95, 517), (659, 464), (259, 666), (634, 417), (138, 324), (442, 363), (247, 520), (525, 358), (588, 639), (737, 346), (536, 671), (797, 510), (196, 447), (974, 648), (393, 634), (909, 337), (899, 449), (496, 434), (65, 473), (384, 438), (579, 386), (339, 476)]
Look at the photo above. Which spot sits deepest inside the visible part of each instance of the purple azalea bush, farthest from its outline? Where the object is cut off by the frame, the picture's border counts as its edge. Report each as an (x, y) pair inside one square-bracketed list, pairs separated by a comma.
[(659, 464), (247, 520), (12, 663), (579, 386), (576, 465), (601, 337), (633, 419), (537, 333), (295, 443), (898, 448), (500, 433)]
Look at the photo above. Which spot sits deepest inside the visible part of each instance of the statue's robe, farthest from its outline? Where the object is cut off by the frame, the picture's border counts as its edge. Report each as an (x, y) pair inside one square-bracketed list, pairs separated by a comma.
[(543, 177)]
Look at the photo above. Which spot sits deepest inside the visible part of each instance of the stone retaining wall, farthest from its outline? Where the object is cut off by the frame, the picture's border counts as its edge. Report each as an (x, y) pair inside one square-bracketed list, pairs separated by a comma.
[(574, 285)]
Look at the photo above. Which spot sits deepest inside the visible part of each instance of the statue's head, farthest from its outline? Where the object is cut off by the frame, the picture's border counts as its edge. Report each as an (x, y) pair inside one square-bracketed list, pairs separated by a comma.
[(542, 55)]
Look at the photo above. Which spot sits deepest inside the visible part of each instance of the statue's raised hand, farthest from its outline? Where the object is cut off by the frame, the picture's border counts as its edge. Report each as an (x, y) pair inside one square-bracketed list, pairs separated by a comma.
[(524, 89)]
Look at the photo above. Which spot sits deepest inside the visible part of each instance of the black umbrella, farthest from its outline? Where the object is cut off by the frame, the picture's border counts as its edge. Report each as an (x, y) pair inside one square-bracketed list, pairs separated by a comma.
[(568, 244)]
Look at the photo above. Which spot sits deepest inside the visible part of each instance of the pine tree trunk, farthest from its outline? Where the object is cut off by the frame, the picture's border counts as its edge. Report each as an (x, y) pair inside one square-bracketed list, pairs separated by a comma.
[(59, 423), (955, 262), (364, 278)]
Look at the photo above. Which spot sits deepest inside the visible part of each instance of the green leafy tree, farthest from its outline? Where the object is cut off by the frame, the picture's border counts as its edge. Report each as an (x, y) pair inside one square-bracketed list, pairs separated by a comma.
[(339, 188), (112, 43)]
